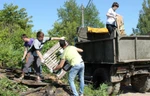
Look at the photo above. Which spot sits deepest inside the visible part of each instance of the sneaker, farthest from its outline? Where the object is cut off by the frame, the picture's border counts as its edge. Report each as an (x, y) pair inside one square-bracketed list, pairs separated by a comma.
[(81, 95)]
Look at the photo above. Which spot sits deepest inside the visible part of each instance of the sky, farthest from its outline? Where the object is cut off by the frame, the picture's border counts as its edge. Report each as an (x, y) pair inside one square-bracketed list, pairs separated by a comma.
[(44, 12)]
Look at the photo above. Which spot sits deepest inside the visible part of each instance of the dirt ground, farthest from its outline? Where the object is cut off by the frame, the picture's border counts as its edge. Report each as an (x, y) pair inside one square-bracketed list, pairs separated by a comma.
[(60, 89), (128, 91)]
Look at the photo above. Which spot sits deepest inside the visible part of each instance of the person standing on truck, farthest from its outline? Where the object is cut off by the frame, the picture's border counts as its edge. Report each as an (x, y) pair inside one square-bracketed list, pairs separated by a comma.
[(111, 17), (36, 57), (71, 54)]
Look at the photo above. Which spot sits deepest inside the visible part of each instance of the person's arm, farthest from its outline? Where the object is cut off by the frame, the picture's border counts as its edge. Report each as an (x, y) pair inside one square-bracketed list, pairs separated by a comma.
[(40, 55), (79, 50), (108, 14), (36, 45), (57, 38), (25, 53), (61, 64)]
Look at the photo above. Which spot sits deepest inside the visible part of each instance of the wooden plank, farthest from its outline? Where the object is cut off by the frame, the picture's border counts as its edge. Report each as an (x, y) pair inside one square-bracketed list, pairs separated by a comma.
[(33, 82), (30, 82), (31, 91)]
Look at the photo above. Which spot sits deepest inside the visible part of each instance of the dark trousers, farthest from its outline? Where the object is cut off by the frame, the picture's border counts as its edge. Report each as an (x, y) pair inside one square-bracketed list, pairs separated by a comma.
[(111, 28), (35, 60)]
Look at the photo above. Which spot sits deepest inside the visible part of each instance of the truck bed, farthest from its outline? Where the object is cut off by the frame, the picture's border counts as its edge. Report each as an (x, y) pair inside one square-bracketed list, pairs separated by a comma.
[(121, 49)]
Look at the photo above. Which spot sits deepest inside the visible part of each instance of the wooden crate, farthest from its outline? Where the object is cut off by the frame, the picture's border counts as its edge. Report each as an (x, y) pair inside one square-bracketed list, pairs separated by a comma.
[(51, 60)]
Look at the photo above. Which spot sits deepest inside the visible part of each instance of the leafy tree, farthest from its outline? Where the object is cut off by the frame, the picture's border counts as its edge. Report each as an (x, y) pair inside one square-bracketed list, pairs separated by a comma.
[(91, 17), (69, 18), (143, 26), (13, 23)]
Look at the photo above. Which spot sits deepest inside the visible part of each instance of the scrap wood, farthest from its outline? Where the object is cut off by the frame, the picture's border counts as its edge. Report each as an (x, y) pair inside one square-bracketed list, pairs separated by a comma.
[(2, 70), (30, 82), (54, 79), (31, 91), (2, 76)]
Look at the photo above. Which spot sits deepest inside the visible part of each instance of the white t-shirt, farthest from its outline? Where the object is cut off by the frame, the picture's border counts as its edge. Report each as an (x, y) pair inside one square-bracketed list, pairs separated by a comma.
[(111, 20)]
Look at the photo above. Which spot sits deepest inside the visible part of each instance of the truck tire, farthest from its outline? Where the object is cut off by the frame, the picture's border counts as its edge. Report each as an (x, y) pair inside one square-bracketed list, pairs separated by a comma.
[(140, 83), (100, 75)]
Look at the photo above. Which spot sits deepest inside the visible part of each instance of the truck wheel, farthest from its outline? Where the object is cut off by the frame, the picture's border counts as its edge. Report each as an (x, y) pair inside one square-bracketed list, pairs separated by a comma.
[(140, 83), (100, 75)]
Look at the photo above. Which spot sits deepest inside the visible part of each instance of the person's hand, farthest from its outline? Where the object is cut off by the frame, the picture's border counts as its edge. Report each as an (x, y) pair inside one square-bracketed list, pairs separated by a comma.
[(115, 17), (42, 60), (62, 38), (22, 59)]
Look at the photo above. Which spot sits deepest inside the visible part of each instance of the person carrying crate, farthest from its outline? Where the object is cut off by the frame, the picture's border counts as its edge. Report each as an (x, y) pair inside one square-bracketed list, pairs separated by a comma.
[(111, 17), (71, 54)]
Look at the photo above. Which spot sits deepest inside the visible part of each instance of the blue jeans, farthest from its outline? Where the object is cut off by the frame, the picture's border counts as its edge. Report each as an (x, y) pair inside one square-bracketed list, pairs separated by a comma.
[(78, 69)]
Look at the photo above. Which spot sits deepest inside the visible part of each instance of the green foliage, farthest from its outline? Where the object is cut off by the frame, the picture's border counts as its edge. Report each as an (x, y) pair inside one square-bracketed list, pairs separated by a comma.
[(11, 15), (48, 45), (13, 23), (69, 18), (45, 69), (143, 26), (101, 91), (9, 88), (91, 17)]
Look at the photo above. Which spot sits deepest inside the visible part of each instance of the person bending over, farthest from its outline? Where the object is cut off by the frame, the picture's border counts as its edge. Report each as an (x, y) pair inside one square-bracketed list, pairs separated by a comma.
[(71, 54), (36, 58)]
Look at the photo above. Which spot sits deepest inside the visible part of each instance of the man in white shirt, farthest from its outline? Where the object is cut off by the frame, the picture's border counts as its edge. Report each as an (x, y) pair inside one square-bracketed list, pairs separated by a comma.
[(111, 18)]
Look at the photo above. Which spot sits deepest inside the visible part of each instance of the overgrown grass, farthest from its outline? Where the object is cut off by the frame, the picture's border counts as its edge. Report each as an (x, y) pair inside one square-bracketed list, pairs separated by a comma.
[(45, 69), (9, 88), (89, 90), (101, 91)]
